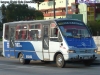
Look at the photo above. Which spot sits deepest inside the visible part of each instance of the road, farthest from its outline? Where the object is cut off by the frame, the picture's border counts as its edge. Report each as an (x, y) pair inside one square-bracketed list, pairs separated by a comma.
[(13, 67)]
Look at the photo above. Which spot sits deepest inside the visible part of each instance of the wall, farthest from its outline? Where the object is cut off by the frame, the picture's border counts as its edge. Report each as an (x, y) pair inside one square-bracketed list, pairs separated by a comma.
[(59, 3), (97, 41), (83, 10), (49, 5)]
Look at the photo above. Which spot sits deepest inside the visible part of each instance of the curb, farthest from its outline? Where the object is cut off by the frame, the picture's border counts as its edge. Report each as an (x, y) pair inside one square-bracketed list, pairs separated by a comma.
[(98, 52)]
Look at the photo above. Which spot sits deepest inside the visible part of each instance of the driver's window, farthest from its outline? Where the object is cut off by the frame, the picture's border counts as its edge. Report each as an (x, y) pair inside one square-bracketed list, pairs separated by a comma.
[(53, 32)]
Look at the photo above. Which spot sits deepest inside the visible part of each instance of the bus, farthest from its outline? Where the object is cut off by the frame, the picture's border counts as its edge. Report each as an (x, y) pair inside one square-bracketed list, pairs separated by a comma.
[(57, 40)]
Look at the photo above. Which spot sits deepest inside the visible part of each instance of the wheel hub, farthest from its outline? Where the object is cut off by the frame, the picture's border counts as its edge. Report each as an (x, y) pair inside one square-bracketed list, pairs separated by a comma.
[(59, 61), (21, 59)]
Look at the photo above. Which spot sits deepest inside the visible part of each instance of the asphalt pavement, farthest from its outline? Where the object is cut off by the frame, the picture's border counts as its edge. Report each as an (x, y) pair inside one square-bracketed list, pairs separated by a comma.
[(13, 67)]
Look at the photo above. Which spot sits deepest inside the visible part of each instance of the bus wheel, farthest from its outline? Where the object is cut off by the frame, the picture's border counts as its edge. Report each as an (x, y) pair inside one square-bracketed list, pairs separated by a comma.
[(60, 62), (22, 60)]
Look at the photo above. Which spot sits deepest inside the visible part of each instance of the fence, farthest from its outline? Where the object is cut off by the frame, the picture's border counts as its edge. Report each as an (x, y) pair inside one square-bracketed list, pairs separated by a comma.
[(97, 41)]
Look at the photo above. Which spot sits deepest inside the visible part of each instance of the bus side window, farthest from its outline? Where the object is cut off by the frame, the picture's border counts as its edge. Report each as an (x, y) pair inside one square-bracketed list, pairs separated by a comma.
[(21, 32), (34, 35), (34, 32), (6, 32)]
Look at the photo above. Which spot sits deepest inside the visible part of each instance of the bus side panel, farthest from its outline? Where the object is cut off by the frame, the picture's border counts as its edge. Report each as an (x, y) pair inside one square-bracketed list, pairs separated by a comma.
[(36, 54), (6, 49), (53, 48), (38, 48), (26, 48)]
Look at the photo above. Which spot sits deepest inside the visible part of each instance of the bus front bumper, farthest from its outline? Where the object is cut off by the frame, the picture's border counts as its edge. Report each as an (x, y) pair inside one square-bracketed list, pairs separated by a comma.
[(76, 57)]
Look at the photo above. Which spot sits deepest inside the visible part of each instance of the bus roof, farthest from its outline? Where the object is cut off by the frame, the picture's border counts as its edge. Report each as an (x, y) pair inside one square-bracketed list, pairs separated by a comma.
[(29, 21)]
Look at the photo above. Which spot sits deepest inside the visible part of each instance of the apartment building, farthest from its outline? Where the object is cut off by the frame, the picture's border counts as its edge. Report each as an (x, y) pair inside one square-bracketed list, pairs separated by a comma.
[(60, 8), (90, 11)]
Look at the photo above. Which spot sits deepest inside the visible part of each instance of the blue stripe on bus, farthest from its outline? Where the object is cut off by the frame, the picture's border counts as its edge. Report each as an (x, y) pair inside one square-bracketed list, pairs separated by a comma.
[(23, 47), (75, 42)]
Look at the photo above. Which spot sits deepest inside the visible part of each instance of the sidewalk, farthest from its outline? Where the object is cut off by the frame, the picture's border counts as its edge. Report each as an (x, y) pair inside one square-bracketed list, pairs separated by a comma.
[(98, 52)]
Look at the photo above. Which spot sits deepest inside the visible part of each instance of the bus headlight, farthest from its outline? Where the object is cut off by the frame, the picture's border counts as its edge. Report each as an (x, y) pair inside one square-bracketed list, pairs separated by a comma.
[(95, 50), (71, 51)]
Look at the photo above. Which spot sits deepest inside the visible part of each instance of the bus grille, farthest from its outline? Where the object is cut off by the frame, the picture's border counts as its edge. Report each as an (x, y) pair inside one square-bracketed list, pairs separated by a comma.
[(85, 51)]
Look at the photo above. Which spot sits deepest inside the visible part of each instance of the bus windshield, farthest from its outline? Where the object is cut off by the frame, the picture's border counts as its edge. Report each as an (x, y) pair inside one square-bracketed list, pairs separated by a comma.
[(75, 31)]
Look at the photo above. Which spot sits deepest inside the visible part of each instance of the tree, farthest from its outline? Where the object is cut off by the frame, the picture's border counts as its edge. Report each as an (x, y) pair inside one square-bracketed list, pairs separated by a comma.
[(38, 2), (1, 26), (17, 12), (39, 15), (95, 27), (3, 8)]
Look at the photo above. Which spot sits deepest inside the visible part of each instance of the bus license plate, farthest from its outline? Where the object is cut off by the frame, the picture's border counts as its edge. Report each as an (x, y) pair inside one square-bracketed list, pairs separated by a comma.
[(86, 57)]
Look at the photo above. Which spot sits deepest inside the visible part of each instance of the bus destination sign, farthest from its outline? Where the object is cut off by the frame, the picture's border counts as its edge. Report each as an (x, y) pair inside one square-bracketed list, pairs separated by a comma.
[(70, 22)]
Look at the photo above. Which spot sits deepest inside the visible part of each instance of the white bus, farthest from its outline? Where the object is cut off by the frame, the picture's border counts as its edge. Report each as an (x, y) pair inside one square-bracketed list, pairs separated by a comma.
[(58, 40)]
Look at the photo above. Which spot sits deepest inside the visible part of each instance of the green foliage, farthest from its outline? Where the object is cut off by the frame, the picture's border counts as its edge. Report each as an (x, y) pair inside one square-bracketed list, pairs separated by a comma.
[(95, 27), (17, 12), (3, 13), (39, 15), (1, 26)]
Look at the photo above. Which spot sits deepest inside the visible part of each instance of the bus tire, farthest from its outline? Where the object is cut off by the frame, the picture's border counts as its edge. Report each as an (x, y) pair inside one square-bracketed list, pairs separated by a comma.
[(22, 60), (60, 62)]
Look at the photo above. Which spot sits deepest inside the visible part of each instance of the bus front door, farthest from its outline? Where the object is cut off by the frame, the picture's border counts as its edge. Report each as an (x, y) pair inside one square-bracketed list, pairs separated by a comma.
[(12, 41), (45, 43)]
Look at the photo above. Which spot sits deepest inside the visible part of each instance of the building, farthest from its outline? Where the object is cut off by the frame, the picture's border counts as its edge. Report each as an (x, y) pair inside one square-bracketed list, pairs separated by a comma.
[(90, 11), (97, 11), (60, 8)]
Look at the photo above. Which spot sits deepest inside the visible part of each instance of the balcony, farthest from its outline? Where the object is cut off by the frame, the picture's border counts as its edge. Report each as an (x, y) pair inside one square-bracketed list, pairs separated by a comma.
[(75, 10), (57, 14)]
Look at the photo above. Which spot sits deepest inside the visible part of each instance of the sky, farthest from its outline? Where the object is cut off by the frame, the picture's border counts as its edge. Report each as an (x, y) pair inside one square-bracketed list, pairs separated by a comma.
[(29, 2)]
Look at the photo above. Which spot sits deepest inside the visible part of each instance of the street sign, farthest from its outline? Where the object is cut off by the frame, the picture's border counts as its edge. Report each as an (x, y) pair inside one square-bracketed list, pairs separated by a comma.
[(75, 16)]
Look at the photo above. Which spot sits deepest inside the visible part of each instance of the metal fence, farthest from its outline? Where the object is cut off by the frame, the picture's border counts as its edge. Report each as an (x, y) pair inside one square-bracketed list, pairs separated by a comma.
[(97, 41)]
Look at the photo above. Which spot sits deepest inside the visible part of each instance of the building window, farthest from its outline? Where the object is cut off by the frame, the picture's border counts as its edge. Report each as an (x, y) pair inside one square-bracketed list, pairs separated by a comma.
[(61, 1)]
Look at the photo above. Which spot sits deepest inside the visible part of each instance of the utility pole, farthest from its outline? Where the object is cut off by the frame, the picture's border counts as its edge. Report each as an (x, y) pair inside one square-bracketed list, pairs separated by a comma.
[(54, 8), (66, 8)]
